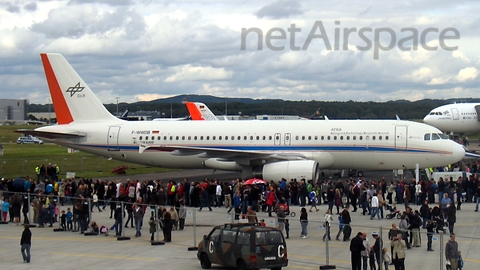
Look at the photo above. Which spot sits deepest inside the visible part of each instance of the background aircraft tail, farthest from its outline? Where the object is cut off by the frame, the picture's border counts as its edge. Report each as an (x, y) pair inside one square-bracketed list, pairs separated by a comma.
[(72, 98)]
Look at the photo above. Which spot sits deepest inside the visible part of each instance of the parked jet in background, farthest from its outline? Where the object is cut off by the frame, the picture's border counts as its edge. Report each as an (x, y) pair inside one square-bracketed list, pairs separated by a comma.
[(459, 118), (200, 111), (270, 150)]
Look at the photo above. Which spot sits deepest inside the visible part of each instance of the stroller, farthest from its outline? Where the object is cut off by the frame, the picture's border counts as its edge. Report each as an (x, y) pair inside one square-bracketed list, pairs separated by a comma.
[(394, 212)]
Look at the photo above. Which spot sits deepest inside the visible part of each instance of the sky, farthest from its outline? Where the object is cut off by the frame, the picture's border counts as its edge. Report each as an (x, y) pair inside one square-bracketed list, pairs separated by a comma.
[(141, 50)]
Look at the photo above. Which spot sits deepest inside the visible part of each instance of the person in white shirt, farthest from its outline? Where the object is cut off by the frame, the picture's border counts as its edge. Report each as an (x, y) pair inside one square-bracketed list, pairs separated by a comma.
[(374, 206), (218, 194)]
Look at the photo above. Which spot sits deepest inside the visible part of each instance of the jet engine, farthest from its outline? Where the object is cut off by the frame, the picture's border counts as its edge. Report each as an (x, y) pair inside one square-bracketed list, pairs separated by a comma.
[(292, 169)]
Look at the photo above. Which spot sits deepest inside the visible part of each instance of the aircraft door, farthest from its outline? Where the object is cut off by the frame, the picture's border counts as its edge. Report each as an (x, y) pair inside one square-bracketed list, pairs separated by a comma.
[(288, 138), (455, 113), (401, 137), (277, 139), (112, 139), (477, 108)]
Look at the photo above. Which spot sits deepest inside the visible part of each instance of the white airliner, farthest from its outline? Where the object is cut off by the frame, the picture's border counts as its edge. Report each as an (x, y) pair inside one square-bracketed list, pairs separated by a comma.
[(459, 118), (266, 149)]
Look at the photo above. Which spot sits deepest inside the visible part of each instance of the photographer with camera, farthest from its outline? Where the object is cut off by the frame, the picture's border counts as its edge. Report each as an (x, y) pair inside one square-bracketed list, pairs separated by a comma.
[(398, 254)]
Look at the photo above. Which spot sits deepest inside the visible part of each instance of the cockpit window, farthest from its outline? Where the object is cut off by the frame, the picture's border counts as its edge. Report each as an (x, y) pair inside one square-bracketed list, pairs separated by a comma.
[(435, 136), (443, 136), (426, 137)]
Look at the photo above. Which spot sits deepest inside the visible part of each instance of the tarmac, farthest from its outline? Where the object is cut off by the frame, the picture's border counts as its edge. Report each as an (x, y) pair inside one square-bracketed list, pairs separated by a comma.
[(71, 250)]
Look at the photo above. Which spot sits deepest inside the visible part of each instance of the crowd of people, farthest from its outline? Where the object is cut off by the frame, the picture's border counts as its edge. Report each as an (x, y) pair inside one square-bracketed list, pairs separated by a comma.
[(375, 199)]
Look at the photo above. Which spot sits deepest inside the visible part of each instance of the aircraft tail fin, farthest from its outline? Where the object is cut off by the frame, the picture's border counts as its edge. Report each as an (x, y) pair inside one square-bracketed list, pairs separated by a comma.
[(200, 111), (72, 98)]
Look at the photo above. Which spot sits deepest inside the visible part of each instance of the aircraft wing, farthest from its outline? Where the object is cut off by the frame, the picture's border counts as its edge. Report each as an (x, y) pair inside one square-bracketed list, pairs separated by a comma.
[(227, 154), (51, 135)]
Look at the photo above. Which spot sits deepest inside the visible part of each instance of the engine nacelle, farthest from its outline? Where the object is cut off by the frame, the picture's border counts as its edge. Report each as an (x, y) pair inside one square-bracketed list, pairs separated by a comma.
[(215, 163), (291, 169)]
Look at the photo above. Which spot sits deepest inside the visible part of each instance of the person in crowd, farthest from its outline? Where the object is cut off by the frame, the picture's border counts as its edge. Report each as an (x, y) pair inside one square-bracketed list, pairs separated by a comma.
[(326, 223), (356, 248), (304, 222), (26, 243), (398, 253), (138, 214), (451, 252)]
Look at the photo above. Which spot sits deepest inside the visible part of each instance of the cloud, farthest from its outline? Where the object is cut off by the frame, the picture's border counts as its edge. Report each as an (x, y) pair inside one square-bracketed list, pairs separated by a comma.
[(191, 73), (32, 6), (280, 9), (467, 74)]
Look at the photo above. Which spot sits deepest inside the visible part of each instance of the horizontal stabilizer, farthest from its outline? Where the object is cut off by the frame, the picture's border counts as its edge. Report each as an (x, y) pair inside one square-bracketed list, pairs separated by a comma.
[(51, 135)]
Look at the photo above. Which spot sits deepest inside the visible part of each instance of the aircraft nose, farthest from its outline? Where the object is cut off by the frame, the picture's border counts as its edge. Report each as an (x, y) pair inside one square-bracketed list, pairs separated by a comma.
[(458, 152), (428, 119)]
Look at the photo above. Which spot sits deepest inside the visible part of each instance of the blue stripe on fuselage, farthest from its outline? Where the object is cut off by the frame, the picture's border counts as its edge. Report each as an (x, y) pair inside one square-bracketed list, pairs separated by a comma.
[(283, 148)]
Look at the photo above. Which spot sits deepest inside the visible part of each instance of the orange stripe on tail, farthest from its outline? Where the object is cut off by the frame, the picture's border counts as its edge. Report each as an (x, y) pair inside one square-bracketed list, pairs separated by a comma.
[(59, 104), (194, 111)]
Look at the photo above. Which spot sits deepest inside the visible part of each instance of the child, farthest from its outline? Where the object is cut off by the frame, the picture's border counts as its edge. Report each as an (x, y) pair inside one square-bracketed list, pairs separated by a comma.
[(460, 260), (5, 209), (94, 227), (63, 220), (262, 223), (69, 216), (387, 257), (153, 228), (430, 228)]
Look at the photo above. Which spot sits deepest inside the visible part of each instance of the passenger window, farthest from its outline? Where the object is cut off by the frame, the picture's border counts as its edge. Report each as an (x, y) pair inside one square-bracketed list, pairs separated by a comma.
[(328, 138), (322, 138), (239, 138), (140, 138), (316, 138), (228, 237), (335, 137), (243, 238), (201, 138), (264, 138), (158, 138), (360, 138), (189, 138), (354, 137), (426, 137), (269, 138), (296, 138), (348, 138), (176, 138), (386, 138), (373, 138), (214, 235), (258, 138), (183, 138), (219, 138), (303, 138), (341, 138), (208, 138), (164, 138), (379, 137)]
